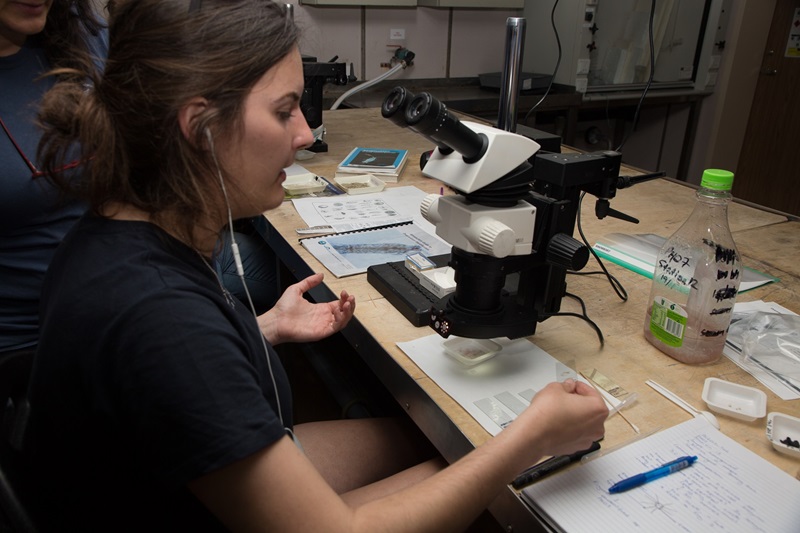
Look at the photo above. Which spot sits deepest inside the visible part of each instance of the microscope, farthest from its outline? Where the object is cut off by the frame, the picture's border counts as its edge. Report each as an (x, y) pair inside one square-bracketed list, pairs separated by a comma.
[(315, 76), (510, 221)]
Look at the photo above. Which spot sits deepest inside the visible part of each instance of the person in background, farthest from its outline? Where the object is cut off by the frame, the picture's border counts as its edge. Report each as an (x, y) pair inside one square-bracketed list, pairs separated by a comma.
[(34, 217), (162, 405), (37, 36)]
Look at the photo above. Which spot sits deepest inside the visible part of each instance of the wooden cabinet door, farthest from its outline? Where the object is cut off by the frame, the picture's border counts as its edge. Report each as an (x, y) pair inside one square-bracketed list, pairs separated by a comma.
[(768, 172)]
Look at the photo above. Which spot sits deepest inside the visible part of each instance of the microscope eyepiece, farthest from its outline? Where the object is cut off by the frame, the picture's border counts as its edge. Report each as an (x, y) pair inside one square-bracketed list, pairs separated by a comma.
[(395, 104), (419, 114), (429, 117)]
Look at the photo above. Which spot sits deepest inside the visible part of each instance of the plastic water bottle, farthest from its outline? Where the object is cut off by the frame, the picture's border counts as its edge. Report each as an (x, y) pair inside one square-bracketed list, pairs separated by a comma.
[(696, 279)]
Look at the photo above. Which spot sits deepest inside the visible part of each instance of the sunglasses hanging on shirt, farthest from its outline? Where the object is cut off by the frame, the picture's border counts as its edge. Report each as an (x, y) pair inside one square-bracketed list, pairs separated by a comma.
[(35, 172)]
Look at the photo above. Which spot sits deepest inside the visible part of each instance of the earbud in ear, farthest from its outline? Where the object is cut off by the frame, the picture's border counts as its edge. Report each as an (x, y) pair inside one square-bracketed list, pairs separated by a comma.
[(209, 137)]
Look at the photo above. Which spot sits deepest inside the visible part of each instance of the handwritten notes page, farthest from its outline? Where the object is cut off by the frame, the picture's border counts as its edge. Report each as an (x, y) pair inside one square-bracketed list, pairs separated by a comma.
[(729, 489)]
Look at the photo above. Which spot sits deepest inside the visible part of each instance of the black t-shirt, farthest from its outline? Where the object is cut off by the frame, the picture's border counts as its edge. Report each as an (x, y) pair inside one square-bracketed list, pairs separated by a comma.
[(148, 375)]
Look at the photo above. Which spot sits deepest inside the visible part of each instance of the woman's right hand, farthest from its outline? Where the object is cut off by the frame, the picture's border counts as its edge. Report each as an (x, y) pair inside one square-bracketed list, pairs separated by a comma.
[(567, 417)]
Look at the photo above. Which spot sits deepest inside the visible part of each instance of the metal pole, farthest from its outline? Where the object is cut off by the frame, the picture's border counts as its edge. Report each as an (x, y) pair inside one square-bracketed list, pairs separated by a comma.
[(289, 10), (515, 42)]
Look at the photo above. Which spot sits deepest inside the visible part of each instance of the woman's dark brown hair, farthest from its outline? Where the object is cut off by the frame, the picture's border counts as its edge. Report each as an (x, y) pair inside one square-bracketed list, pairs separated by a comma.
[(161, 56)]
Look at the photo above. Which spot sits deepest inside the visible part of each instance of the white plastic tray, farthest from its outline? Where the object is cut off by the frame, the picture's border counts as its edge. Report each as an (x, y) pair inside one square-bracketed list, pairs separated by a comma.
[(303, 184), (360, 183), (470, 352), (781, 427), (734, 400)]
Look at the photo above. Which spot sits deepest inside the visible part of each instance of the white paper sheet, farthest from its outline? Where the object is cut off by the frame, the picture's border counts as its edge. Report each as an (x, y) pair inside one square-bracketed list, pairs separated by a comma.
[(729, 489), (349, 213), (494, 391)]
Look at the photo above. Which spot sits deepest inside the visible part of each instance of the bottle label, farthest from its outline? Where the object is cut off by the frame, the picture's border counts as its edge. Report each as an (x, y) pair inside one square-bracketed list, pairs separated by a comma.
[(668, 322)]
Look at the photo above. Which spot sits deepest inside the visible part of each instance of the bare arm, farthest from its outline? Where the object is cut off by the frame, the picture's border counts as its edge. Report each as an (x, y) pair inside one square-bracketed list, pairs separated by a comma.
[(295, 319), (279, 489)]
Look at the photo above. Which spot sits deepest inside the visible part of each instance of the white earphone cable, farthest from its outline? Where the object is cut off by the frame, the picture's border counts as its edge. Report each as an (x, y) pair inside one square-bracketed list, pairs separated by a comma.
[(240, 271)]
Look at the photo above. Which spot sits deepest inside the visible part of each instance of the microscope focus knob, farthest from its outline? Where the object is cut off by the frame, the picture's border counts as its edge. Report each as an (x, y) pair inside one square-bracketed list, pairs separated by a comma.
[(495, 238), (567, 252), (429, 208)]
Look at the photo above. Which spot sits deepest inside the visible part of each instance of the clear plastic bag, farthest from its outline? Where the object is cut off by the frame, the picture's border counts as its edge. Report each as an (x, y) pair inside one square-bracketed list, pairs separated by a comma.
[(772, 341)]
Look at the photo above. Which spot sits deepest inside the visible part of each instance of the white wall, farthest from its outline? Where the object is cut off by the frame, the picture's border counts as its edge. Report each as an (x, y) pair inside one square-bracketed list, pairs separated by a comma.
[(475, 39), (456, 43), (448, 43)]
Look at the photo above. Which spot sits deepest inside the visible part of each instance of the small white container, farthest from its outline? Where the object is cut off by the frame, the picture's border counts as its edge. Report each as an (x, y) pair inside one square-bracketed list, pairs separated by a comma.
[(734, 400), (303, 184), (360, 183), (470, 352), (781, 427), (439, 281)]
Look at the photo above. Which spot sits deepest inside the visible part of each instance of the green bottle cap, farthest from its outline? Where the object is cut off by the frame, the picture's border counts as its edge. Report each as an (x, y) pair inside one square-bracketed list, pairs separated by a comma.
[(717, 179)]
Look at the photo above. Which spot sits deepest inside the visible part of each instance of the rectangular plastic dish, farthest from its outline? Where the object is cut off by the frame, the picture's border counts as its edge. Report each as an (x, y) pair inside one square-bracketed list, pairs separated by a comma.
[(783, 431), (303, 184), (360, 184), (734, 400), (470, 352)]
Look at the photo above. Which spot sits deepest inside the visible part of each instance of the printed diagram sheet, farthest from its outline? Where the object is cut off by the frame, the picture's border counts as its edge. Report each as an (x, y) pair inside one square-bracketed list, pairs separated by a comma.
[(350, 213), (340, 212)]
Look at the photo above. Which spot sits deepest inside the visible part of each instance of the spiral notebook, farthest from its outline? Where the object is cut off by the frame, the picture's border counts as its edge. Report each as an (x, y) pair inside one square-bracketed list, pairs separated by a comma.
[(728, 489), (345, 254)]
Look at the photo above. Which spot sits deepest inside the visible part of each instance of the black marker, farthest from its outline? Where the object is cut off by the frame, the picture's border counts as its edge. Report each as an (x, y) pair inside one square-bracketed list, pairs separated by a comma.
[(537, 472)]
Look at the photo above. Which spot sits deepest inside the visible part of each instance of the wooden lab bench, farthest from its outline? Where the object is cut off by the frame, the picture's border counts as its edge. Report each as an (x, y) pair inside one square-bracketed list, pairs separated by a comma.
[(766, 241)]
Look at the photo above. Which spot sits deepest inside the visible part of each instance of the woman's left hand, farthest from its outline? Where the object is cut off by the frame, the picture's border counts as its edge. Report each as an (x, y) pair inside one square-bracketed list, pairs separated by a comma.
[(295, 319)]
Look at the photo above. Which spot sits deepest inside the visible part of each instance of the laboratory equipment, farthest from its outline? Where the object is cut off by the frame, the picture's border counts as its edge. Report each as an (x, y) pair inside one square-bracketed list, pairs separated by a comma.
[(511, 220)]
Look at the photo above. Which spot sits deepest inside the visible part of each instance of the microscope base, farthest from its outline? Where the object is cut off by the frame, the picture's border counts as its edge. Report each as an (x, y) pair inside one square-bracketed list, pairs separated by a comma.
[(318, 147), (404, 291)]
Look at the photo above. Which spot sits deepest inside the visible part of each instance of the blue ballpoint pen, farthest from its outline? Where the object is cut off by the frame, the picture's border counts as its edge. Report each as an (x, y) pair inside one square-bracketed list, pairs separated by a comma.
[(640, 479)]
